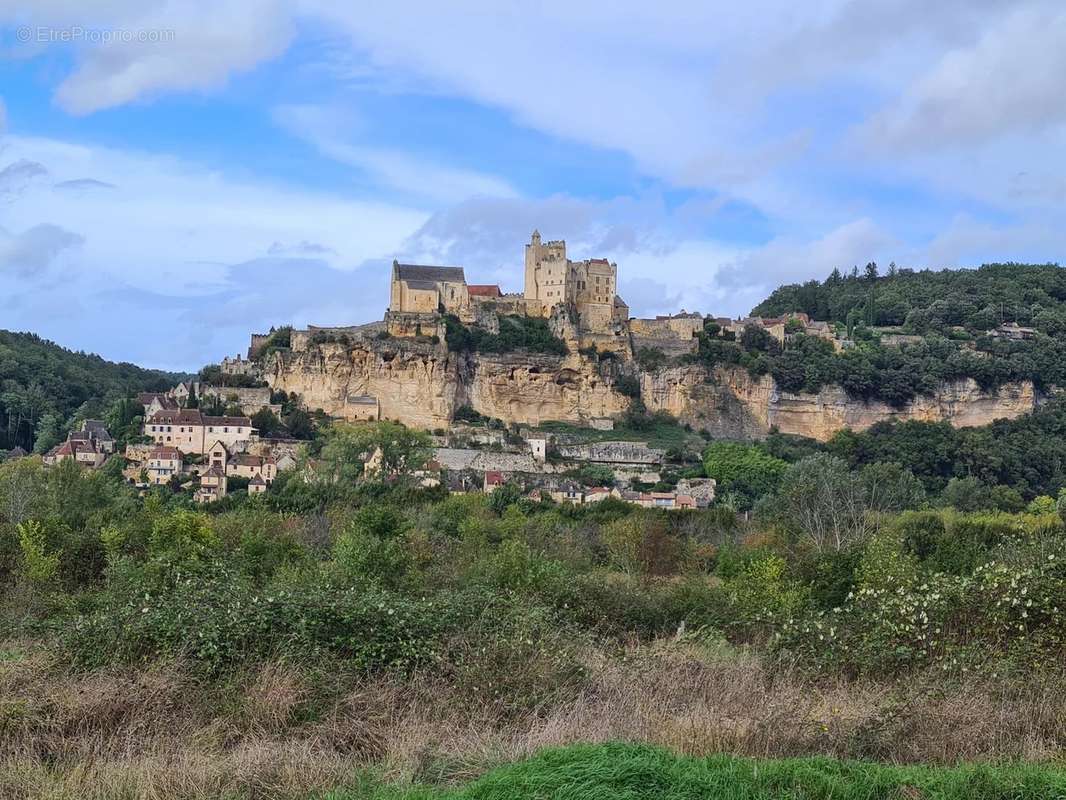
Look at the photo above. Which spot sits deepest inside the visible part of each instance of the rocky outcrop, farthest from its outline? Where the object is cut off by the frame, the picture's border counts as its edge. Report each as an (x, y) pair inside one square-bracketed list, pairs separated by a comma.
[(422, 385), (531, 389), (413, 383), (730, 402)]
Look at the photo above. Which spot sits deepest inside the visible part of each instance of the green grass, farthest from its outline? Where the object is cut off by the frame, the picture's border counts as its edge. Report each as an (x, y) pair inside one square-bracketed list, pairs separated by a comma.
[(636, 772), (660, 433)]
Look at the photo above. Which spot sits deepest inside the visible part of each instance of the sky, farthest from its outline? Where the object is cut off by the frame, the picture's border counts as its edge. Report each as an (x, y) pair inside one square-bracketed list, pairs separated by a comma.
[(177, 174)]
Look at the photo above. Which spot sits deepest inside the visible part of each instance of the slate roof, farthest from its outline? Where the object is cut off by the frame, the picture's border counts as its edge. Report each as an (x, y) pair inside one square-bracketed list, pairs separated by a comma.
[(422, 272)]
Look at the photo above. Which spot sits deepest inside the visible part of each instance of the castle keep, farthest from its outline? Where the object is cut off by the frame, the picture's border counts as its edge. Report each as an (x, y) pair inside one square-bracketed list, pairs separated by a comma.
[(552, 282), (589, 286)]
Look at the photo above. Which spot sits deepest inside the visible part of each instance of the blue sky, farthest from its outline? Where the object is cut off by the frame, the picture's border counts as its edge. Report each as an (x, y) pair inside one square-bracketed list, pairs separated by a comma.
[(179, 174)]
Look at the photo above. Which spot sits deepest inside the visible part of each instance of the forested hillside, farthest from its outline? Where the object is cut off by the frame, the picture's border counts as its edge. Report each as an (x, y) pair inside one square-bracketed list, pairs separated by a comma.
[(926, 301), (43, 387), (907, 332)]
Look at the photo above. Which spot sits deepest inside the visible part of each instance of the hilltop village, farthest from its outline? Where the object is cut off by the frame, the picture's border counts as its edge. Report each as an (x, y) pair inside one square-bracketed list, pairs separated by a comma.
[(526, 387)]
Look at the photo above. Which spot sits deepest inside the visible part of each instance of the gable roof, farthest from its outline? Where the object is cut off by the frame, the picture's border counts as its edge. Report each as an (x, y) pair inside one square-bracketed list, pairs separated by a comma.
[(423, 272), (484, 290), (165, 454)]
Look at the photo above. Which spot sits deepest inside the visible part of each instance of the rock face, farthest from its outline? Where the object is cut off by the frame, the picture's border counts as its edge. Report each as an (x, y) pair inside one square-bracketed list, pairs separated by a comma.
[(422, 385), (414, 384), (531, 389), (731, 403)]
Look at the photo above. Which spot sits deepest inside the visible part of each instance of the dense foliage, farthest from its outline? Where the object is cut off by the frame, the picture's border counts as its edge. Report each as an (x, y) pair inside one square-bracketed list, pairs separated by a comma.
[(501, 592), (516, 333), (978, 300), (1014, 460), (45, 388)]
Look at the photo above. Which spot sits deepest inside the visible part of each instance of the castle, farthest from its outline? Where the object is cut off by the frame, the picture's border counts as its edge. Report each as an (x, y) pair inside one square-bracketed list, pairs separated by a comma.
[(551, 281)]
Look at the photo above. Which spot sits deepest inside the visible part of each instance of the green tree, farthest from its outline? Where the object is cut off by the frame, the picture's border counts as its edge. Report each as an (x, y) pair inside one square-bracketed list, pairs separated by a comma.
[(746, 470), (49, 433), (265, 421)]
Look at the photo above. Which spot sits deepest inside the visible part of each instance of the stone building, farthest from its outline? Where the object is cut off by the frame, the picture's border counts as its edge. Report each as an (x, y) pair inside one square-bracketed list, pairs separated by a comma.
[(190, 431), (163, 463), (588, 286), (420, 289)]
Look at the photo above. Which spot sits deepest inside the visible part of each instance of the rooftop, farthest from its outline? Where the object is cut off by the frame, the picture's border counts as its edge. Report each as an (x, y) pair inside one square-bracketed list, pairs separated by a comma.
[(422, 272)]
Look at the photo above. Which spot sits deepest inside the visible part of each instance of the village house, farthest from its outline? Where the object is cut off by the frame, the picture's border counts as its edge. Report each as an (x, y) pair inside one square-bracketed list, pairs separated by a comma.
[(493, 481), (364, 408), (256, 485), (81, 451), (1012, 330), (163, 463), (192, 432), (95, 431), (245, 465), (213, 486), (238, 366), (598, 493), (89, 446)]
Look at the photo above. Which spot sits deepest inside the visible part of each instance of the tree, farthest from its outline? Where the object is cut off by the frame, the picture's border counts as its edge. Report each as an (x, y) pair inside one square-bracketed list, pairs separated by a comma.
[(747, 470), (192, 401), (49, 433), (382, 451), (265, 421), (822, 501), (299, 424)]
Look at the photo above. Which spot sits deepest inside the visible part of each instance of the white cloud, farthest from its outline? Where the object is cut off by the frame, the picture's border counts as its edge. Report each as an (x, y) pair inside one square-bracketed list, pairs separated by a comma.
[(31, 252), (166, 231), (1010, 80), (333, 135), (151, 46), (788, 260)]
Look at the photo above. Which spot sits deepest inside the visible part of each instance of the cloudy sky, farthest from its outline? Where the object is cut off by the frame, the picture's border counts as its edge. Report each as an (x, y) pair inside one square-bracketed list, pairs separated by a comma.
[(174, 175)]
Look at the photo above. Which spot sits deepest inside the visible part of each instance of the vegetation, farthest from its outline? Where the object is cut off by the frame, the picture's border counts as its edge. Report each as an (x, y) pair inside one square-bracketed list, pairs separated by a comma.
[(516, 333), (888, 596), (635, 772), (925, 301), (45, 390)]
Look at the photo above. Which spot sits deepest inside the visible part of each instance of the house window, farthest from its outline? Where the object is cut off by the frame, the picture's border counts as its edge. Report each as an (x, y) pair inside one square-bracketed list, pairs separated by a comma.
[(225, 430)]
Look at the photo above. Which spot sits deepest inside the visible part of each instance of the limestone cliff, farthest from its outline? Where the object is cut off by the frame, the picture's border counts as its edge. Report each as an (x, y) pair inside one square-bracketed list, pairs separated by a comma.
[(422, 385), (732, 403)]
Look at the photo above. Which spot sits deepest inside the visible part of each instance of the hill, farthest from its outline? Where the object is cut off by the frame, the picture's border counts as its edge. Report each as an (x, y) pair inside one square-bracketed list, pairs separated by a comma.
[(44, 387), (929, 301)]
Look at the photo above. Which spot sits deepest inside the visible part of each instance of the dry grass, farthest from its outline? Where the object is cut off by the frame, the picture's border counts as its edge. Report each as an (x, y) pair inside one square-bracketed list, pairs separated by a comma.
[(277, 731)]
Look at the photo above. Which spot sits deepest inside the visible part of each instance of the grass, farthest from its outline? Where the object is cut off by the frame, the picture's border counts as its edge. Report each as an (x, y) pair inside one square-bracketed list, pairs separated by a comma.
[(659, 433), (637, 772), (291, 731)]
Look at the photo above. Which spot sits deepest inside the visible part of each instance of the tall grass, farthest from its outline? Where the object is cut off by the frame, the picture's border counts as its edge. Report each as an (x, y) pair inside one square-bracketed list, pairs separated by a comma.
[(616, 771)]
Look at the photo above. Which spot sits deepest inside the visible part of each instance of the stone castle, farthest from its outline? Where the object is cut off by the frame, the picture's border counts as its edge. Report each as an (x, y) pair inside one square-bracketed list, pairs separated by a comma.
[(402, 369), (553, 283)]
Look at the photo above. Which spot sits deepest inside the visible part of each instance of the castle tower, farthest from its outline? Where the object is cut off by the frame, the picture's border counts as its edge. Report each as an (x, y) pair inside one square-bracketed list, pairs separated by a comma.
[(532, 257), (546, 275)]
